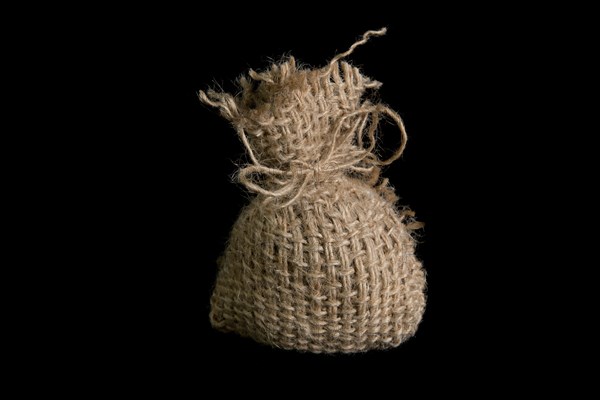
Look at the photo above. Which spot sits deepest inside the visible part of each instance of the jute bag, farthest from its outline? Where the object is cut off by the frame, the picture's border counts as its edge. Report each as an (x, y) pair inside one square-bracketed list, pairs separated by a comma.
[(321, 260)]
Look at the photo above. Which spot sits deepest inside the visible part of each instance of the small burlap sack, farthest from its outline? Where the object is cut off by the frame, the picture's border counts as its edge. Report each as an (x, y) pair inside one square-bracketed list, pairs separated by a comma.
[(320, 260)]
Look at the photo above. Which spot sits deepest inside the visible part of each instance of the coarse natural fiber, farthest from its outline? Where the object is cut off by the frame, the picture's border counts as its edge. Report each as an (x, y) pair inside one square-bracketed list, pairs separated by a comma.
[(320, 260)]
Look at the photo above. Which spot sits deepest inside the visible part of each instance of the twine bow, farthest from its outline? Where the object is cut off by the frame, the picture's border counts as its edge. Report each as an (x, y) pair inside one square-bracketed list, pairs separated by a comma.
[(360, 161)]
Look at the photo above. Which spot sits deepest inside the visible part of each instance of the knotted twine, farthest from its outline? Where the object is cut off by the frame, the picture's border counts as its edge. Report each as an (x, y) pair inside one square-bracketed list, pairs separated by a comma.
[(323, 226)]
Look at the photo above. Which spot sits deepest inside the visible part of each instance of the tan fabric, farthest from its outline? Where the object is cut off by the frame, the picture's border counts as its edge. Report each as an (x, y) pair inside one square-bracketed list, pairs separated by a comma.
[(320, 260)]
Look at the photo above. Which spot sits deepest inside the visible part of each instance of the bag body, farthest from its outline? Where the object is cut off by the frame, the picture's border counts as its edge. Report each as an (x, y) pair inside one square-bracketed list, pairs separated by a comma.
[(333, 272)]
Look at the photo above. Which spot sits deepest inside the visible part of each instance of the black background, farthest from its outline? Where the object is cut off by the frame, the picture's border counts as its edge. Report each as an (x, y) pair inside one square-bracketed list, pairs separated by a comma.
[(180, 157)]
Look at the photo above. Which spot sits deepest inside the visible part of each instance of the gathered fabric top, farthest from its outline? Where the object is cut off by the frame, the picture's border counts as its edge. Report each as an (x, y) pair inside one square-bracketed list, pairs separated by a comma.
[(303, 127)]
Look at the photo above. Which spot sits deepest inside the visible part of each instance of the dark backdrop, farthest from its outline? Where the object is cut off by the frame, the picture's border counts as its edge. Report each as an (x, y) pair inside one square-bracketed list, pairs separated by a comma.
[(181, 157)]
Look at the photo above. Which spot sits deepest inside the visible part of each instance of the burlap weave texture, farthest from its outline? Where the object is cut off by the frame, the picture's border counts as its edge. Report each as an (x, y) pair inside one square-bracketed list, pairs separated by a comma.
[(321, 260)]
